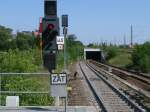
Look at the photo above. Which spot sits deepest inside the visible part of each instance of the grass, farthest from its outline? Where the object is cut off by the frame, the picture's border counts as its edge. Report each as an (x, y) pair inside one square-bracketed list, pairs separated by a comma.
[(123, 59)]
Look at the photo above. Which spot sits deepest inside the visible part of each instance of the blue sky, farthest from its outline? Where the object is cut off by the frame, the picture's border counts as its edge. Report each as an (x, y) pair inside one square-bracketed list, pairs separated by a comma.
[(90, 20)]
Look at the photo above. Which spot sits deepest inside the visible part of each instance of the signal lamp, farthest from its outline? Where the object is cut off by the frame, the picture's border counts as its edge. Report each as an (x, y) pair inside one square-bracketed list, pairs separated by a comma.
[(51, 26)]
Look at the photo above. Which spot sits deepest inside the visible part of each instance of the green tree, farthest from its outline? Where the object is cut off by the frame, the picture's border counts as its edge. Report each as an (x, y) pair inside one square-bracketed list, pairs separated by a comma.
[(17, 61), (74, 51), (74, 48), (5, 37), (24, 41), (141, 57), (24, 61), (111, 52)]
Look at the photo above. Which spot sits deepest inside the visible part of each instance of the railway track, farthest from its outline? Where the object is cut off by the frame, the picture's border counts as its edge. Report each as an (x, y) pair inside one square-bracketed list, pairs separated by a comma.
[(141, 83), (120, 71), (108, 97)]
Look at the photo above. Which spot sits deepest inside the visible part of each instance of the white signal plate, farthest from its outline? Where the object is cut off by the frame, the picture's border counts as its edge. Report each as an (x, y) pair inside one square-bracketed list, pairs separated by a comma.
[(60, 47), (60, 40), (58, 79)]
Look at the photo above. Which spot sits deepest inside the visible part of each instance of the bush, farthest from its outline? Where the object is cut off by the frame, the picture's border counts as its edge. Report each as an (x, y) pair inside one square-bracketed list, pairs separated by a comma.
[(141, 57), (5, 38), (18, 61), (24, 61), (74, 51), (111, 52)]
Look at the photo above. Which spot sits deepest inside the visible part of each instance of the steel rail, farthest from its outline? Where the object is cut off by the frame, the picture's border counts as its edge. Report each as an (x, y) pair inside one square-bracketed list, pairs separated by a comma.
[(97, 98), (122, 69), (117, 91), (139, 90)]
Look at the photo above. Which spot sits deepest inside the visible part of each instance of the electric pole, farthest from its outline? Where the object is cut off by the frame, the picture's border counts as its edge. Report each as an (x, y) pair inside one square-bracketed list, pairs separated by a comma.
[(124, 41), (131, 36)]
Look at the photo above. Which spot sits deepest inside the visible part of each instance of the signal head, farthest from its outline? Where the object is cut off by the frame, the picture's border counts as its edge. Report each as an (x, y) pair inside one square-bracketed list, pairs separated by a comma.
[(50, 26)]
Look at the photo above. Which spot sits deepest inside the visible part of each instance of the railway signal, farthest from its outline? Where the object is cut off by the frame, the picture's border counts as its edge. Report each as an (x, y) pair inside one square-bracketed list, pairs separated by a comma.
[(50, 8), (49, 34), (50, 30)]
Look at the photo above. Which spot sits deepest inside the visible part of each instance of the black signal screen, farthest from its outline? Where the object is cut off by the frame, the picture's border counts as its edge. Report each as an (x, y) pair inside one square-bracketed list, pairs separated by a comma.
[(50, 8)]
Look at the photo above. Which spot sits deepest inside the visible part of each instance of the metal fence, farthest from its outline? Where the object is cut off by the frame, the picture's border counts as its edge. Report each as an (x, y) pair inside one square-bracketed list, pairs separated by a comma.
[(21, 84)]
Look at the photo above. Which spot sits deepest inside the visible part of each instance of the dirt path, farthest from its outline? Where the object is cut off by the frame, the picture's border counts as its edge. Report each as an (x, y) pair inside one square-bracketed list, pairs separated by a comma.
[(80, 94)]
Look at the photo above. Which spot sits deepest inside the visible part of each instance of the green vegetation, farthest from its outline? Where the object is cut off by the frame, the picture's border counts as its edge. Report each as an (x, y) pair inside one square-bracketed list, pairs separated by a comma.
[(137, 58), (24, 61), (122, 59), (74, 52), (5, 38), (74, 48), (21, 54), (141, 57), (111, 52), (19, 61), (25, 42), (22, 41)]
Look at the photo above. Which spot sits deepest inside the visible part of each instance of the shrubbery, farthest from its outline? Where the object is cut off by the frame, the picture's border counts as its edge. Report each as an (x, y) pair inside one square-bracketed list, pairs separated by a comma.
[(74, 50), (22, 55), (24, 61), (5, 38), (111, 52), (141, 57), (18, 61)]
